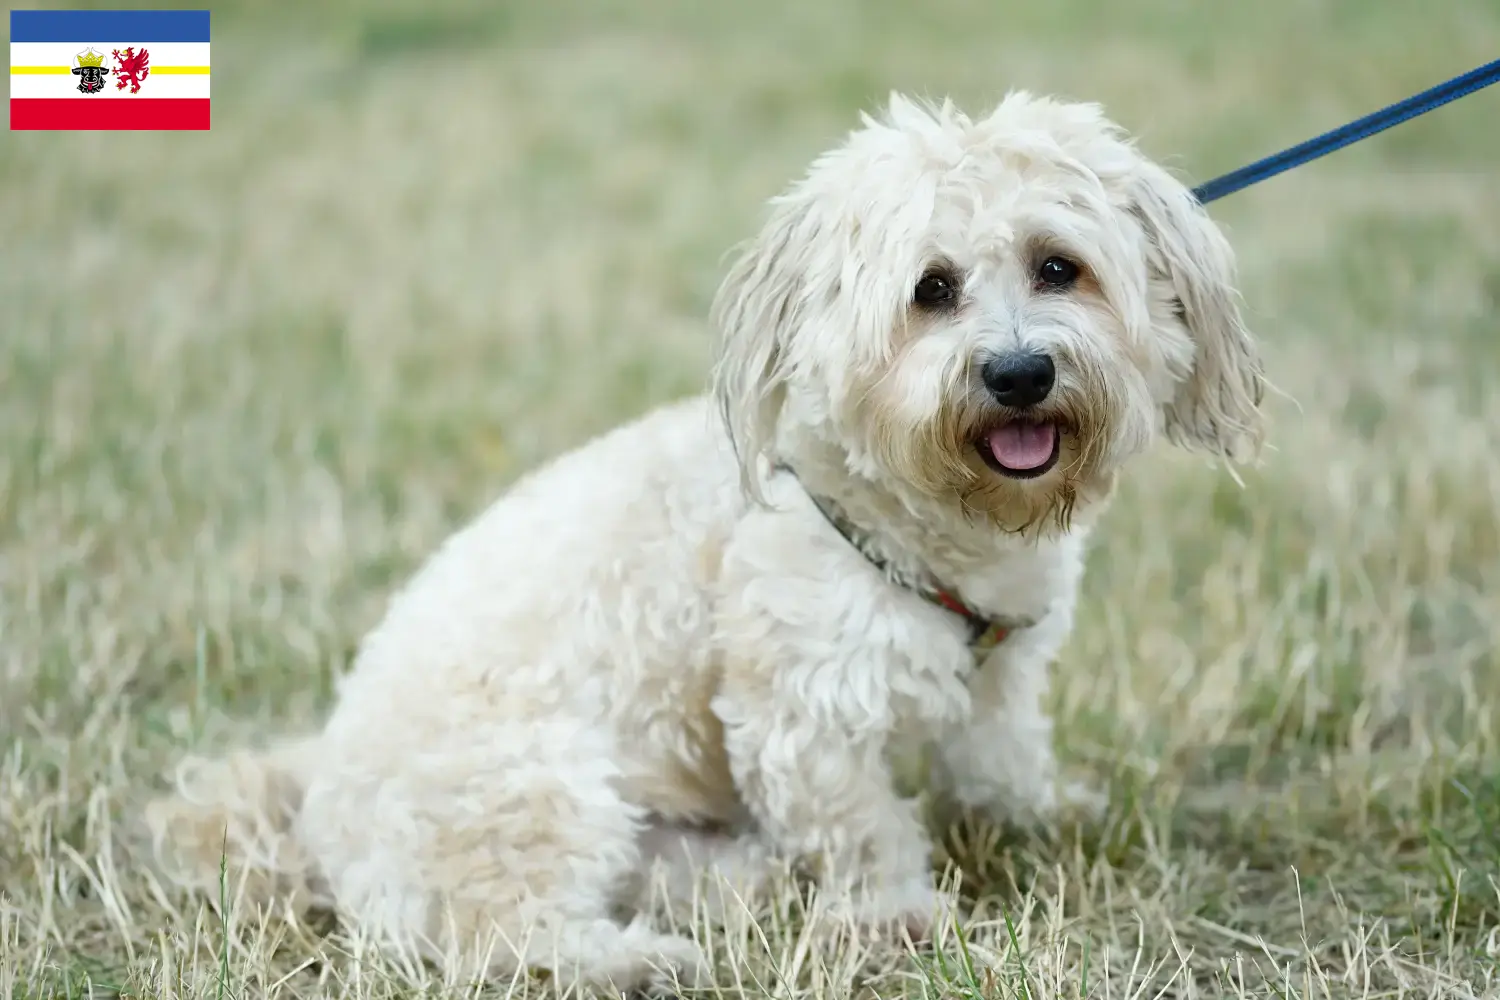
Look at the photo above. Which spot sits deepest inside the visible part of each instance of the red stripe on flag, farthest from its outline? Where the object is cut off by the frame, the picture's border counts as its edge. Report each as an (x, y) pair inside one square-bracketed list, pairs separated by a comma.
[(72, 113)]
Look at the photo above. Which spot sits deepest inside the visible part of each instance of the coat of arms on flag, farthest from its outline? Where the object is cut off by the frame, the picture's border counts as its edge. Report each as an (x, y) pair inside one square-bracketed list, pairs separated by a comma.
[(109, 69)]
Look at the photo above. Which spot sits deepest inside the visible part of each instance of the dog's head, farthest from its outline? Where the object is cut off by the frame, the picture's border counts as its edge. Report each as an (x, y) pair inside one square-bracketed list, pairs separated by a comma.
[(997, 311)]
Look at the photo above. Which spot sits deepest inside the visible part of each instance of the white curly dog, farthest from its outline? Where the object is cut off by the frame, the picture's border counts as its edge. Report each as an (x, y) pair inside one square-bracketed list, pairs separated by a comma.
[(707, 629)]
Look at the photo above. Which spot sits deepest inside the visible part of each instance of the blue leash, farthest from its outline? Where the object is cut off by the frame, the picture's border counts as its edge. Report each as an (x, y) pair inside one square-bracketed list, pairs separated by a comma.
[(1363, 128)]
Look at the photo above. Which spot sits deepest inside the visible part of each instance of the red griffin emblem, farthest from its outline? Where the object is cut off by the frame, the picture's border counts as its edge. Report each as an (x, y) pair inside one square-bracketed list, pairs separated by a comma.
[(131, 67)]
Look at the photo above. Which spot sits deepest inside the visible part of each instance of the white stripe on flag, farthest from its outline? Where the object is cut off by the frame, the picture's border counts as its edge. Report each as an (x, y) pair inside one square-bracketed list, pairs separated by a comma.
[(40, 85), (62, 53)]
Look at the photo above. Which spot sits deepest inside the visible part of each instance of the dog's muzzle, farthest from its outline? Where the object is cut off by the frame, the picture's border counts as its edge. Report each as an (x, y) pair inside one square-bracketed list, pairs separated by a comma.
[(1022, 447)]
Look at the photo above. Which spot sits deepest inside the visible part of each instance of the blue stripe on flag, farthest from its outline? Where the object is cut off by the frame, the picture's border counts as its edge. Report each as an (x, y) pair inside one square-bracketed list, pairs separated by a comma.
[(86, 26)]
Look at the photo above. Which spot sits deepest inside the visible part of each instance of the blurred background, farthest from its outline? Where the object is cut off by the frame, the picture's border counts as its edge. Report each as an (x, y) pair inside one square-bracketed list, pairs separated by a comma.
[(250, 377)]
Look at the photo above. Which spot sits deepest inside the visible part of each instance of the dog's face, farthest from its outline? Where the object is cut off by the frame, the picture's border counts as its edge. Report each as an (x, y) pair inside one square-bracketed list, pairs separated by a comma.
[(999, 312)]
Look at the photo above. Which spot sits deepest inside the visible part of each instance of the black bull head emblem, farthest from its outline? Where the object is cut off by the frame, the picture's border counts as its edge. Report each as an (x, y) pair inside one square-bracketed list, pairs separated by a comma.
[(91, 78)]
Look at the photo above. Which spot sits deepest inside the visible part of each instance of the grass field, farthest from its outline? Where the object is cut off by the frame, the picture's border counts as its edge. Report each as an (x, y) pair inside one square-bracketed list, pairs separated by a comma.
[(249, 378)]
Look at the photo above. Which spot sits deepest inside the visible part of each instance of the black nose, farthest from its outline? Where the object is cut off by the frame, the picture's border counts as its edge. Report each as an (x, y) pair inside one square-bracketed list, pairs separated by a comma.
[(1019, 379)]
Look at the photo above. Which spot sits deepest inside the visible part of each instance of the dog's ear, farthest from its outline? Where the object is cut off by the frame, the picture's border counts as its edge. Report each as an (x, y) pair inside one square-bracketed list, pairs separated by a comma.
[(758, 306), (1217, 407)]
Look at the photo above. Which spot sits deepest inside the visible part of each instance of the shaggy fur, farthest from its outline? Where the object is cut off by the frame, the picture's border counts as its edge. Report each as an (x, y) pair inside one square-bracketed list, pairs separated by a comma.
[(657, 643)]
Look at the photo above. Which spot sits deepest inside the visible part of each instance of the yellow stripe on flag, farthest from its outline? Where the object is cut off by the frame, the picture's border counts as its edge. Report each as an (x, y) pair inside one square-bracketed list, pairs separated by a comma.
[(155, 70)]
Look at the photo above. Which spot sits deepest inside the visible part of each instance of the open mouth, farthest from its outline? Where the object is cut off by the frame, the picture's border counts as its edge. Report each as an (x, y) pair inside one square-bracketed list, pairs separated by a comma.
[(1021, 449)]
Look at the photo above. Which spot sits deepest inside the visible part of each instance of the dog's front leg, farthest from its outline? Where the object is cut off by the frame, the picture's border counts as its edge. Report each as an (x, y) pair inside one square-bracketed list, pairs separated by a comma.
[(1001, 762), (815, 779), (809, 697)]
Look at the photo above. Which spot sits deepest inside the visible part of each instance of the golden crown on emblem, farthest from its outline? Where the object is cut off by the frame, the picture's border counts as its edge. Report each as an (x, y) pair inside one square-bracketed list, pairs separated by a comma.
[(90, 58)]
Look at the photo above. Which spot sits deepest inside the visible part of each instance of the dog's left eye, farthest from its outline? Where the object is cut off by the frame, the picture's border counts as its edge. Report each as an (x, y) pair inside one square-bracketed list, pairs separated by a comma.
[(1057, 272), (935, 289)]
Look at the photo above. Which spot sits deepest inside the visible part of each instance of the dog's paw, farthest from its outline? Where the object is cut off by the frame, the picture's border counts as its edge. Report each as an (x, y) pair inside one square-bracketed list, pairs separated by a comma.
[(911, 914), (920, 927), (677, 964), (1082, 802)]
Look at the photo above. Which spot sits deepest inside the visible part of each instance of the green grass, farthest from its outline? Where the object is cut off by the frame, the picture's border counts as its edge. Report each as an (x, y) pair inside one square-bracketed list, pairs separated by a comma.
[(249, 378)]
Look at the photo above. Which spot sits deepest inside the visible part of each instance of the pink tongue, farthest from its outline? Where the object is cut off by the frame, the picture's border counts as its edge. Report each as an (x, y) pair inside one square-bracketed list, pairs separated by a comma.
[(1023, 446)]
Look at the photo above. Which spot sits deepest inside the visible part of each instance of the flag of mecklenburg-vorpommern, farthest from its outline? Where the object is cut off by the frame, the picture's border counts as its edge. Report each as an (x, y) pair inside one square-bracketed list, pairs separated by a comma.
[(109, 69)]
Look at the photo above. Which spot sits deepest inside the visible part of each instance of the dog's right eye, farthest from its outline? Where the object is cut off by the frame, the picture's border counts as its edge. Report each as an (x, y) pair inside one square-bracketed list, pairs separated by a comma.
[(935, 289)]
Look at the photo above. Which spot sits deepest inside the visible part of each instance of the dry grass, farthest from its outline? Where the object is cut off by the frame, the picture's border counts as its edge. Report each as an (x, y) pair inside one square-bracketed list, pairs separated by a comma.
[(249, 378)]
